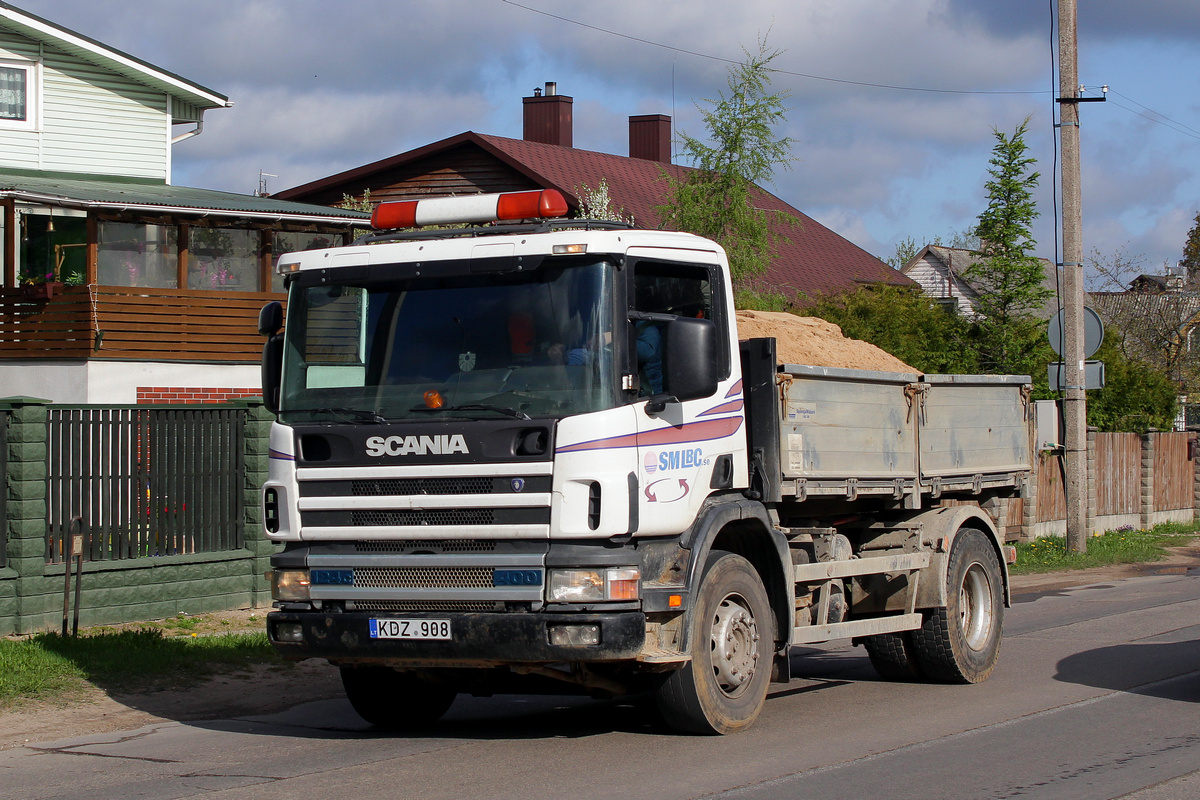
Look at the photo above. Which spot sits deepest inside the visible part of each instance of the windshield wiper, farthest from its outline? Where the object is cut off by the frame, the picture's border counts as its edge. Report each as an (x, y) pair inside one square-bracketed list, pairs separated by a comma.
[(512, 412), (344, 413)]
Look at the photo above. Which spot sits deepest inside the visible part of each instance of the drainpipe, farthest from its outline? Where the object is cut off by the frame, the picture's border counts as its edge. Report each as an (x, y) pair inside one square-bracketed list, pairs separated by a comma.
[(198, 129), (189, 134)]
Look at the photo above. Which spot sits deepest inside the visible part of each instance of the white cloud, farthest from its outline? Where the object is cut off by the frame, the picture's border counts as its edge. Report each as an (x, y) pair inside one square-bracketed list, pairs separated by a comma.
[(320, 90)]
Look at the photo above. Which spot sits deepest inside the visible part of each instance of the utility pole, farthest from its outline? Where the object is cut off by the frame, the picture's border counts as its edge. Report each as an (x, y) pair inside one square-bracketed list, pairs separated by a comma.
[(1074, 398)]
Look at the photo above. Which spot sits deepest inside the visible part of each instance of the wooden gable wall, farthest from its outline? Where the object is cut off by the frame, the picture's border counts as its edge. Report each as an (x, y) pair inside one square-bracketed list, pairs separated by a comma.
[(935, 280), (462, 170)]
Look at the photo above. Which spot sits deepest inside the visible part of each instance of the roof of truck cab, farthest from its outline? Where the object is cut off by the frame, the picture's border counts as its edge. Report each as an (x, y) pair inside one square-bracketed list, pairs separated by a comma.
[(672, 245)]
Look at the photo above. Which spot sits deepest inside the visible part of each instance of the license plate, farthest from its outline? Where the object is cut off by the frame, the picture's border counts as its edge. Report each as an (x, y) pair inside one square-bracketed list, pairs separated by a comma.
[(410, 629)]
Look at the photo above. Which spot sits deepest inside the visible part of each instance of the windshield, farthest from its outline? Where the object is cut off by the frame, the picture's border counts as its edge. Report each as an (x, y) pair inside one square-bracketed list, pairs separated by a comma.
[(523, 344)]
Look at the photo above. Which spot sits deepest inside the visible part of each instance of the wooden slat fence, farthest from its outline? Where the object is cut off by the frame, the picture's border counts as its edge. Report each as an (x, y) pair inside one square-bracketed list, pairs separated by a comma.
[(1173, 473), (1051, 496), (1118, 473), (133, 323), (145, 481)]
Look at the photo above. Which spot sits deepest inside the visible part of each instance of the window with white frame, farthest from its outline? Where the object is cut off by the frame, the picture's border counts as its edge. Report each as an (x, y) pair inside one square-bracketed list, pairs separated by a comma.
[(18, 95)]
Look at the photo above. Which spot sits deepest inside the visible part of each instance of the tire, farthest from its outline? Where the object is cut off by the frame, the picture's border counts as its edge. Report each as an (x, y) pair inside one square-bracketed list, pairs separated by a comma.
[(395, 701), (732, 638), (960, 642), (893, 657)]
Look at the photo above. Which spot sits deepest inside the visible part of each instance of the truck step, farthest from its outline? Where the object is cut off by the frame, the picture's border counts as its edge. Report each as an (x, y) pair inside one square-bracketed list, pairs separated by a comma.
[(811, 634), (828, 570), (663, 657)]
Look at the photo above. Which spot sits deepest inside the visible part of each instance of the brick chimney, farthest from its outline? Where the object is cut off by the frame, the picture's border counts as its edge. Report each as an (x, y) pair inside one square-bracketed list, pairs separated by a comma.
[(548, 117), (650, 137)]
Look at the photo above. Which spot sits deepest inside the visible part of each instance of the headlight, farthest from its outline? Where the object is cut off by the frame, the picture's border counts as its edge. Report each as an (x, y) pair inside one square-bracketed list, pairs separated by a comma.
[(289, 585), (594, 585)]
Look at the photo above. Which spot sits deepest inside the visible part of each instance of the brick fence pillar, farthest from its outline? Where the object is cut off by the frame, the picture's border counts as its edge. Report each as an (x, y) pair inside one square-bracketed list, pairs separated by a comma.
[(26, 507), (1194, 452), (257, 448), (1146, 506), (1092, 501)]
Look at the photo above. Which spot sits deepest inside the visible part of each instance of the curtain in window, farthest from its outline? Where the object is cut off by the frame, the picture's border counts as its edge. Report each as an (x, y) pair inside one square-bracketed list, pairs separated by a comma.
[(12, 93)]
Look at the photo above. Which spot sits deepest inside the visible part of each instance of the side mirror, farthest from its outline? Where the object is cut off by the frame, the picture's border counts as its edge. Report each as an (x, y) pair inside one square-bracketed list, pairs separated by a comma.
[(270, 319), (691, 359), (272, 371)]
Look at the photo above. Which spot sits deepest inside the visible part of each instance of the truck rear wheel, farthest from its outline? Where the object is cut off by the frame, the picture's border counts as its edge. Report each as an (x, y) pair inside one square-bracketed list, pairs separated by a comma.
[(893, 657), (723, 688), (960, 642), (395, 701)]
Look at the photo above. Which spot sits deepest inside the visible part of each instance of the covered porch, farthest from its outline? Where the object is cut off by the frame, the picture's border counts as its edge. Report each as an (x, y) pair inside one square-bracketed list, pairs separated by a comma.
[(98, 271)]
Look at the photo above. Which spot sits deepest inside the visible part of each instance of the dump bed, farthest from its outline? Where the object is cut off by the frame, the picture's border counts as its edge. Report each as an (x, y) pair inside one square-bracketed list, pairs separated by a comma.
[(973, 425), (851, 432)]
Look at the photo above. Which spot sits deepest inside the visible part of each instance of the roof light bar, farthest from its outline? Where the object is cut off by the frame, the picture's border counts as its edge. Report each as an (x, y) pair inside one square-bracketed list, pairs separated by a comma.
[(541, 204)]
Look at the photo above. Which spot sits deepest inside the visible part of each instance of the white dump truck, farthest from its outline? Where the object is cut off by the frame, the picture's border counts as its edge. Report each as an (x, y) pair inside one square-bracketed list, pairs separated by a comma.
[(534, 457)]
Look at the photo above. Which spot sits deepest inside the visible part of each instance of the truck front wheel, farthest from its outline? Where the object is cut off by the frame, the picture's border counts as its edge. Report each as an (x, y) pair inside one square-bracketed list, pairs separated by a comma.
[(960, 642), (395, 701), (723, 688)]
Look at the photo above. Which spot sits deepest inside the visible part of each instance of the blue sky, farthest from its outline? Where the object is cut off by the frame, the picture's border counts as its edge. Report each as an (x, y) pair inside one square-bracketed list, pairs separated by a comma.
[(321, 87)]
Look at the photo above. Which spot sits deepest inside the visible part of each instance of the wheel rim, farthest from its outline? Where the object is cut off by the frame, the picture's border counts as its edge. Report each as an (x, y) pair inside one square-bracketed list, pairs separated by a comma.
[(975, 612), (734, 644)]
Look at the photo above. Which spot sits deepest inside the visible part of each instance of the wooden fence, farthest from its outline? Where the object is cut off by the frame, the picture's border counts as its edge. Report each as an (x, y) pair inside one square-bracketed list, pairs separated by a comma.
[(1135, 480)]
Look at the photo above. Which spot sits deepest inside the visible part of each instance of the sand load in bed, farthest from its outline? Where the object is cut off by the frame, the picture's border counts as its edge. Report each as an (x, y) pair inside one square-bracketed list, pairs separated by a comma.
[(813, 341)]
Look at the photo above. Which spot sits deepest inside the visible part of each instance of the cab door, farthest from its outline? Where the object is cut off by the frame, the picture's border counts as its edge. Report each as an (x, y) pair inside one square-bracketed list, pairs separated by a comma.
[(685, 449)]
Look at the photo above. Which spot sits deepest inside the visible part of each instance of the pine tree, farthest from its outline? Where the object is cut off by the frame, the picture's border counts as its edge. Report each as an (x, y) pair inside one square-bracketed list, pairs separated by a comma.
[(717, 200), (1010, 282), (1191, 256)]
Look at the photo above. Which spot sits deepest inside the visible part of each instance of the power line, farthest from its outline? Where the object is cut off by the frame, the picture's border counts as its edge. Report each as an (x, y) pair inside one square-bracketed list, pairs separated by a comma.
[(809, 76), (1159, 118)]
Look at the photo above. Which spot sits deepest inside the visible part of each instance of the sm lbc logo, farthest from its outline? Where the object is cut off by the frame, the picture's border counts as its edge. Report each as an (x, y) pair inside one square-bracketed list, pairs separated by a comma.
[(685, 458)]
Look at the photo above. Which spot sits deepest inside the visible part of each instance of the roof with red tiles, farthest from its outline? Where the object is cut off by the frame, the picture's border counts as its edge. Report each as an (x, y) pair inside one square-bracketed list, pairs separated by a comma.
[(809, 257)]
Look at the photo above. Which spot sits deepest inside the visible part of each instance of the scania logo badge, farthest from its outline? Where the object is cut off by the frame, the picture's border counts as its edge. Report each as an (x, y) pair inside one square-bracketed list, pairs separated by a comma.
[(518, 484)]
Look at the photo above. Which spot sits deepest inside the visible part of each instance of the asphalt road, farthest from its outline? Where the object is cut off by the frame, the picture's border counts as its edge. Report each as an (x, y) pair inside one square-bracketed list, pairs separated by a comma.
[(1095, 697)]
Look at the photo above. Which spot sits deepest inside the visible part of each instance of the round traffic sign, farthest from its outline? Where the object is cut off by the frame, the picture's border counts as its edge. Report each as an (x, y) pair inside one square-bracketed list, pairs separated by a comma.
[(1093, 332)]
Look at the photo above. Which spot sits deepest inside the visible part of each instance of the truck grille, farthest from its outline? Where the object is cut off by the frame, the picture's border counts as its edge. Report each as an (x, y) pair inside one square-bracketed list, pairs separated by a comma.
[(432, 546), (423, 577), (449, 516), (410, 486), (427, 605)]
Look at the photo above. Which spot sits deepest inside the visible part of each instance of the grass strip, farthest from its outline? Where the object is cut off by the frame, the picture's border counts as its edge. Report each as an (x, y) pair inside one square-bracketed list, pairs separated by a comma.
[(47, 665), (1122, 546)]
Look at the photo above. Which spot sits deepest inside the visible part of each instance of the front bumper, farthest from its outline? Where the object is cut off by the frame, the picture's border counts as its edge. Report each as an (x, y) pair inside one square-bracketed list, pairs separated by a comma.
[(508, 638)]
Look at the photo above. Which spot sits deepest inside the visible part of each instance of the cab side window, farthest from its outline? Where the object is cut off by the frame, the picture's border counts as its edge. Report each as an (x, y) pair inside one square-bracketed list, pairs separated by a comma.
[(666, 289)]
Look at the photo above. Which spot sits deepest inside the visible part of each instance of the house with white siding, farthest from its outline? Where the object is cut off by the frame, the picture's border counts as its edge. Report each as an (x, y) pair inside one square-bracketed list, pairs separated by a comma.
[(115, 285), (941, 272)]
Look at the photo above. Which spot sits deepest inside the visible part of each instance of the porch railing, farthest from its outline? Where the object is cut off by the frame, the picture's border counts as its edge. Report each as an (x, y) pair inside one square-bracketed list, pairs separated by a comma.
[(134, 323)]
